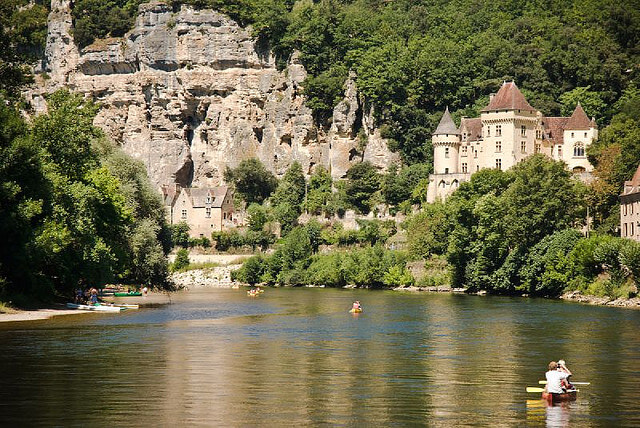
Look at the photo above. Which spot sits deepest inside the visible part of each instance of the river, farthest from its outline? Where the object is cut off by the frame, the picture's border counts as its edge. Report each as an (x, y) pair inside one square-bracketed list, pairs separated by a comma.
[(297, 357)]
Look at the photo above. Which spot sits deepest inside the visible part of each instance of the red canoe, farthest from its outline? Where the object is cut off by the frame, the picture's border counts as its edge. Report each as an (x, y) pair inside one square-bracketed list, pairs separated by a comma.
[(557, 398)]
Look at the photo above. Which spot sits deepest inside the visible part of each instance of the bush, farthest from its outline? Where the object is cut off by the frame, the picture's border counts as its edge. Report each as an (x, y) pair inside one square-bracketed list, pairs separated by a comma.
[(251, 271), (203, 242), (182, 260)]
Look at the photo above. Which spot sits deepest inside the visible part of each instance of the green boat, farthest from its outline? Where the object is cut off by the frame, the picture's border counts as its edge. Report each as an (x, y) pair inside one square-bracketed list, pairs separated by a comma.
[(128, 293)]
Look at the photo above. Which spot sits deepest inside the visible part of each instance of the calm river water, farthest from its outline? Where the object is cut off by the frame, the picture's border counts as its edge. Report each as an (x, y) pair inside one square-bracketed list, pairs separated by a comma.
[(297, 357)]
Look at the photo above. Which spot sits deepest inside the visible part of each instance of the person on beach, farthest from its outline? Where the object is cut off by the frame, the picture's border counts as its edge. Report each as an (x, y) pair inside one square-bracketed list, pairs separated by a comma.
[(93, 296), (557, 378)]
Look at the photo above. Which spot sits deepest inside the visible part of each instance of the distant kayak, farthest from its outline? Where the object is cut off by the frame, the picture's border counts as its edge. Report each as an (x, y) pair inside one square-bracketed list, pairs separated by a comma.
[(355, 310), (98, 308), (127, 294)]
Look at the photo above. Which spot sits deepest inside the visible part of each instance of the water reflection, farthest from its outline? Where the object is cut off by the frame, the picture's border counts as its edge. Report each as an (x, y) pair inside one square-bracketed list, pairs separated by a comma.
[(298, 357)]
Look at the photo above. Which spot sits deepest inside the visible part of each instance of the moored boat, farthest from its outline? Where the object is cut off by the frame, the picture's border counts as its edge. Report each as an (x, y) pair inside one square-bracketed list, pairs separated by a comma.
[(98, 308), (127, 294), (557, 398), (125, 305)]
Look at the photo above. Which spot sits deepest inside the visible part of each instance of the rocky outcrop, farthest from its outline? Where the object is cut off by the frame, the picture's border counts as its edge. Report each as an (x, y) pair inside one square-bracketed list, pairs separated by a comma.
[(189, 93)]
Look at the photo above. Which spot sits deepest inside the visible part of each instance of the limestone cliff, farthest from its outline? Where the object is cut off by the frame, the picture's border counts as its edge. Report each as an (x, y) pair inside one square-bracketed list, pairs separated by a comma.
[(189, 93)]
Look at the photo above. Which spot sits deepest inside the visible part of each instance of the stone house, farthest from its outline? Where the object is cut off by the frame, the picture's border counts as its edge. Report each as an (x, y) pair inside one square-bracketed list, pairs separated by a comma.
[(205, 210), (630, 208), (508, 130)]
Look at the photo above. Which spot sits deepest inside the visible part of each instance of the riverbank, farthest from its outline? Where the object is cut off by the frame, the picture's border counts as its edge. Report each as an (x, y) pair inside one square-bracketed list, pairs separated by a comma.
[(576, 296), (15, 315), (36, 314)]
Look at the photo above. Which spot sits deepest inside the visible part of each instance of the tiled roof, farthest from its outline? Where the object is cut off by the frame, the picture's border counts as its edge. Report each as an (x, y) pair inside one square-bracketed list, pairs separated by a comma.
[(169, 196), (472, 127), (509, 97), (632, 186), (446, 125), (578, 120), (554, 128)]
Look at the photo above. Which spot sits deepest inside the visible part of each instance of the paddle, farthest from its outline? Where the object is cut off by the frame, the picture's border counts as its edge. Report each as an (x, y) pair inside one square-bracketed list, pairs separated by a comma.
[(544, 382), (536, 389)]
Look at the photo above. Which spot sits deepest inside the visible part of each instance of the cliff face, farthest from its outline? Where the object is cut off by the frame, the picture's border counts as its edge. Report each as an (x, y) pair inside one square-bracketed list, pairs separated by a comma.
[(188, 93)]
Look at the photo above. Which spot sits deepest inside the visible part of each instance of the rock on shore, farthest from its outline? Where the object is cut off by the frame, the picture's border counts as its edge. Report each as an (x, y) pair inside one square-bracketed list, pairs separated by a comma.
[(217, 277), (576, 296)]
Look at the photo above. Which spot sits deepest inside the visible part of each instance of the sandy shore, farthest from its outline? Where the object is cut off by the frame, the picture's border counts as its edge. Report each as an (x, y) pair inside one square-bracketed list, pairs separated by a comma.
[(39, 314), (46, 313)]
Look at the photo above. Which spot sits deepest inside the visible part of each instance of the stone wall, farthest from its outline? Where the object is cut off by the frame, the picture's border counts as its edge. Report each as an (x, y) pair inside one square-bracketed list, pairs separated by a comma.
[(189, 93)]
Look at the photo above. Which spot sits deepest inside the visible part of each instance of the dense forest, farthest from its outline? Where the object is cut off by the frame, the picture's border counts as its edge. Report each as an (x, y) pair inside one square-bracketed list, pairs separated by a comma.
[(79, 211), (76, 210)]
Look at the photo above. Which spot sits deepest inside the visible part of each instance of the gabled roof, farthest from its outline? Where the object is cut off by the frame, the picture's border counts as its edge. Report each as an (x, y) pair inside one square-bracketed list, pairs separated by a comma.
[(509, 97), (554, 128), (446, 125), (632, 186), (473, 128), (578, 120), (216, 196)]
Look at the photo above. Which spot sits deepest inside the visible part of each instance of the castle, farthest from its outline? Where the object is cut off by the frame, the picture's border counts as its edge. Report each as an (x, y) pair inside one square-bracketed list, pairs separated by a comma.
[(507, 131)]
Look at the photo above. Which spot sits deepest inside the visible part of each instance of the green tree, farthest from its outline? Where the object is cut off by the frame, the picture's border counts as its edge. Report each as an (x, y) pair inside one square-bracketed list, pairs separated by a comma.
[(319, 192), (362, 182), (252, 182), (182, 259)]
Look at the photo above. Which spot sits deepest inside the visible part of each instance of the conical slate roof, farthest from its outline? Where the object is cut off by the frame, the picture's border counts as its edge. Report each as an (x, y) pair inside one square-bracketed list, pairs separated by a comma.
[(578, 120), (509, 97), (632, 186), (446, 125)]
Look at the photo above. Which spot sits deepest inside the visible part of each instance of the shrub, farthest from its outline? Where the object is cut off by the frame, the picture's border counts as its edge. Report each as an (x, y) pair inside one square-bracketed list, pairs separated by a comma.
[(182, 260)]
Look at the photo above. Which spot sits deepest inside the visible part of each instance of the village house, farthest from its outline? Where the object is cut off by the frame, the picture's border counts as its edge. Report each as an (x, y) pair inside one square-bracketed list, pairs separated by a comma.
[(204, 210), (630, 208), (507, 131)]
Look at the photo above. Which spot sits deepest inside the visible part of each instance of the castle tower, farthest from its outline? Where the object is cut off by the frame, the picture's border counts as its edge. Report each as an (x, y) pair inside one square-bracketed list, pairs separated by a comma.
[(579, 132), (509, 126), (446, 143)]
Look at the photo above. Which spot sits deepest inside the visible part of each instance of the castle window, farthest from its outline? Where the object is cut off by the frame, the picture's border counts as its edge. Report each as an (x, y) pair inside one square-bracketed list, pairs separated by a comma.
[(626, 231), (464, 167), (230, 217), (475, 154), (537, 147), (183, 214), (499, 164), (464, 150), (446, 152), (208, 212), (523, 130), (585, 135), (631, 229), (477, 168), (559, 152), (578, 149), (224, 216), (446, 170), (498, 146), (498, 130), (488, 131), (538, 134), (523, 147), (208, 199), (572, 135)]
